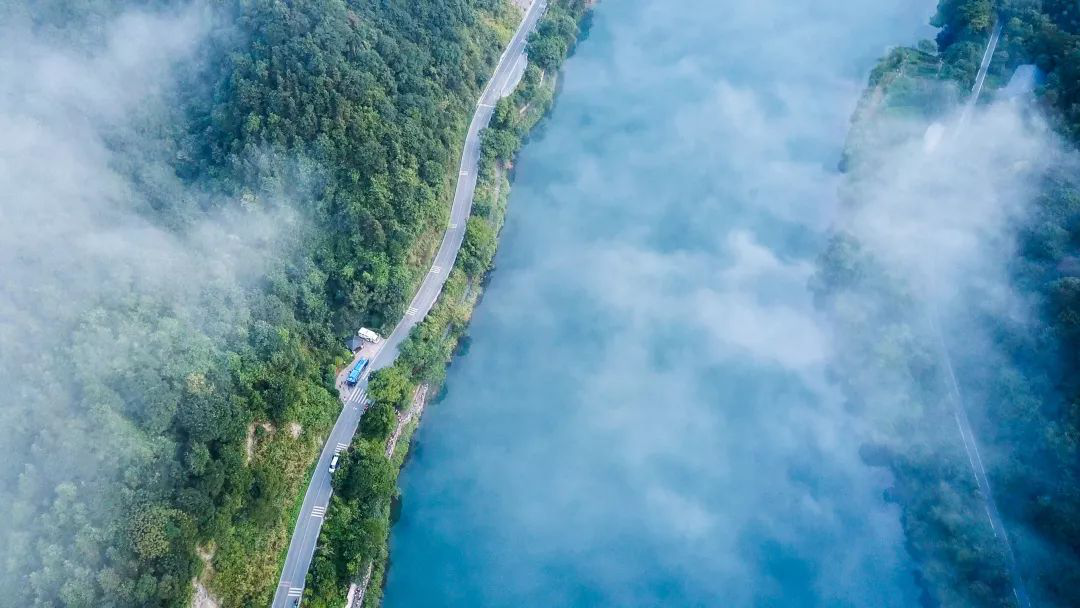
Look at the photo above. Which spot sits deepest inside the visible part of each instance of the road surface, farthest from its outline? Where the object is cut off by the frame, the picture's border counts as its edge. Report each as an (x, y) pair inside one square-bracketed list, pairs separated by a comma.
[(306, 532), (980, 78), (971, 447), (967, 435)]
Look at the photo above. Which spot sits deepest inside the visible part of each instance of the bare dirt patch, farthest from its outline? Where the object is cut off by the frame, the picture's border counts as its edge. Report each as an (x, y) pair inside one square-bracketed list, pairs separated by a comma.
[(202, 597), (249, 445)]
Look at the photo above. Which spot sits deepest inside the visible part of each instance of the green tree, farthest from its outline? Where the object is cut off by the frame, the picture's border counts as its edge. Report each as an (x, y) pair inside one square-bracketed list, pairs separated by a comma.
[(499, 144), (378, 421), (478, 248), (367, 477), (392, 386)]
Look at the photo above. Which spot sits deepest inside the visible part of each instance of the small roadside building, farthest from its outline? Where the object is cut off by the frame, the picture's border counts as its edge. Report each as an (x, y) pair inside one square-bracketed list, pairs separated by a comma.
[(354, 343)]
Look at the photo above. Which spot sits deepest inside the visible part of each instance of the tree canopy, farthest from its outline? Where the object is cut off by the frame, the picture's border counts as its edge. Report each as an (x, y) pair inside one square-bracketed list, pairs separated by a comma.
[(290, 162)]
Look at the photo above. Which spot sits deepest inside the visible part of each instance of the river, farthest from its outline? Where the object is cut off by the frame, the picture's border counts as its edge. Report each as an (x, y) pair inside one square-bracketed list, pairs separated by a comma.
[(643, 414)]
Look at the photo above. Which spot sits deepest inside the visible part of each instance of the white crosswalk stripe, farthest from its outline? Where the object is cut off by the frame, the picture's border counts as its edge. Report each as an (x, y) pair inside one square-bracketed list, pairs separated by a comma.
[(463, 173), (340, 447), (318, 511), (436, 269), (452, 226), (412, 311), (296, 591)]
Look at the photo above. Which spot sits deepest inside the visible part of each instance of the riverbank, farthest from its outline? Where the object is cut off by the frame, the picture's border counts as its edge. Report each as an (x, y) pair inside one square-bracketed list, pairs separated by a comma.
[(352, 549)]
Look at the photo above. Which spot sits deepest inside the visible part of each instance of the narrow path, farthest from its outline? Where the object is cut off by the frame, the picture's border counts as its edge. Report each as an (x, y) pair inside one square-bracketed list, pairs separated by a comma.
[(309, 522), (355, 598), (416, 409)]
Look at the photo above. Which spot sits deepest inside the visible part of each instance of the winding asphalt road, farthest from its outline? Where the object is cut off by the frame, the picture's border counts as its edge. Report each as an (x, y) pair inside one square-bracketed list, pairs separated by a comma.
[(963, 424), (306, 532)]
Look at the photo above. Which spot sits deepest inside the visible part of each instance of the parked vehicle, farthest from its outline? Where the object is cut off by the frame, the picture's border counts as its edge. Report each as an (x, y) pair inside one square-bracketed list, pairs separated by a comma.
[(370, 336), (354, 375), (334, 462)]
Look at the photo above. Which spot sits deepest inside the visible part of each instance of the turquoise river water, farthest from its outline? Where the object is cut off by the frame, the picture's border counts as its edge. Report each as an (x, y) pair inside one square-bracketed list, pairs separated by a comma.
[(642, 415)]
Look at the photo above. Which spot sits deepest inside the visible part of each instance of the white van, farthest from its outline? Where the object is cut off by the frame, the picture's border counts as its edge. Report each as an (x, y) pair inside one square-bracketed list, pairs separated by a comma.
[(334, 463), (366, 334)]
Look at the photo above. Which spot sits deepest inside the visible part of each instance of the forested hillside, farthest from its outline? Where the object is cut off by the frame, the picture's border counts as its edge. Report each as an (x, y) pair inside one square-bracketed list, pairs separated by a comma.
[(204, 199), (354, 539), (1001, 309)]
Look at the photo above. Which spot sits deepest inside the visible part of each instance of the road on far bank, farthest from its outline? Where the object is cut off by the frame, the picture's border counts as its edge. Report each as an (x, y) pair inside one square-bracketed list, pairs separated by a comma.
[(963, 423), (309, 522)]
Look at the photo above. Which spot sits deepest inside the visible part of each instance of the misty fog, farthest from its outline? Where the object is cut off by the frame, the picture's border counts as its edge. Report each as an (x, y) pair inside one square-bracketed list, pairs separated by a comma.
[(652, 408), (678, 389), (111, 269)]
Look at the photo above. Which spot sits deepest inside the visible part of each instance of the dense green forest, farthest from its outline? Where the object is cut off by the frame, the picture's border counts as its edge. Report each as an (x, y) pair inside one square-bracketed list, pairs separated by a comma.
[(1018, 373), (354, 537), (267, 177)]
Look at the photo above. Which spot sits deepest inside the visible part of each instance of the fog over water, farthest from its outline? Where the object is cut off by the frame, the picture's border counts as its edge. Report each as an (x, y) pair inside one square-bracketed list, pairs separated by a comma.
[(643, 416)]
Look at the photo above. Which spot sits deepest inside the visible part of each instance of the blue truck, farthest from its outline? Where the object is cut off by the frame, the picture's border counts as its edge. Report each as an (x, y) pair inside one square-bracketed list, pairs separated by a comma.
[(354, 375)]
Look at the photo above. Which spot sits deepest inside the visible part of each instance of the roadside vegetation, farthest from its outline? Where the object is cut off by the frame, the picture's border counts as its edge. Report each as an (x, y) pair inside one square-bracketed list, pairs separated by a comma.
[(356, 530), (1028, 417)]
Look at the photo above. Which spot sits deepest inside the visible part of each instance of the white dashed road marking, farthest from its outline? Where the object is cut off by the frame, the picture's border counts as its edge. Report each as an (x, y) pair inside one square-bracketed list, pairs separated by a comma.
[(340, 447), (318, 511), (412, 311), (296, 591), (436, 269)]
